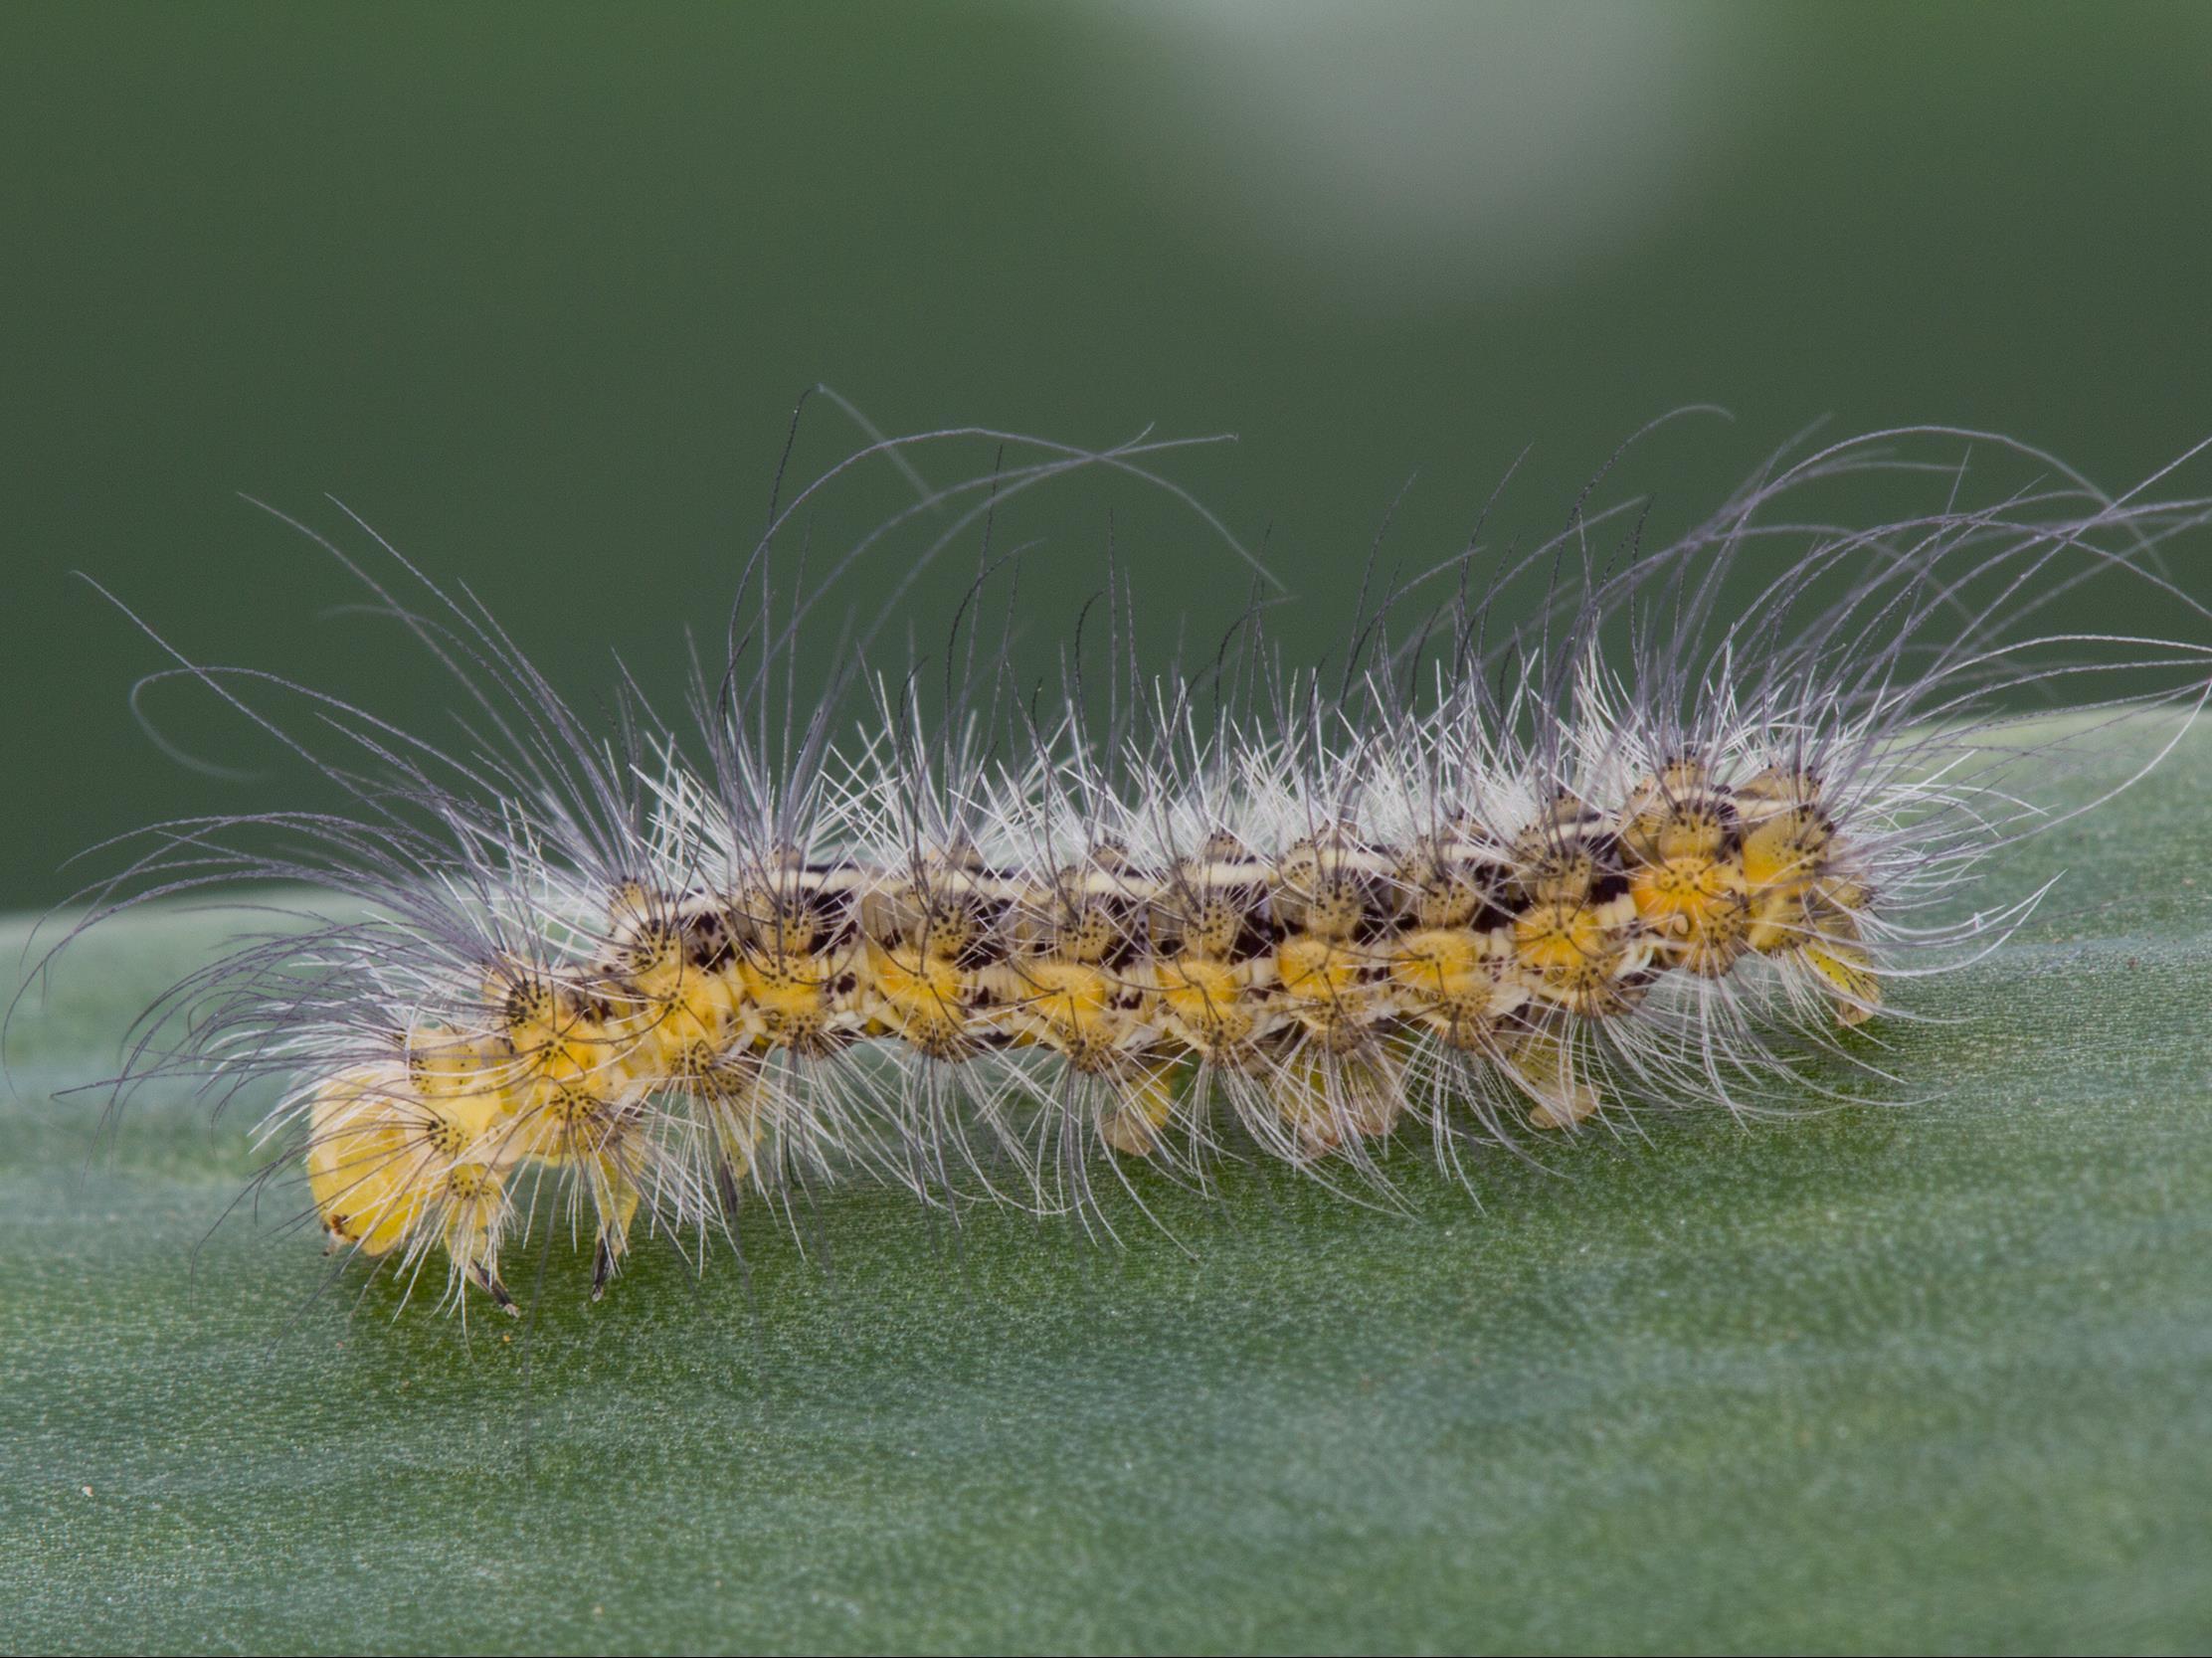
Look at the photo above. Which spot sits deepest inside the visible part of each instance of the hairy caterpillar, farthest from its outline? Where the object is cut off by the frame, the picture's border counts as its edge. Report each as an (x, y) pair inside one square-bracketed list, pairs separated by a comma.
[(1573, 829)]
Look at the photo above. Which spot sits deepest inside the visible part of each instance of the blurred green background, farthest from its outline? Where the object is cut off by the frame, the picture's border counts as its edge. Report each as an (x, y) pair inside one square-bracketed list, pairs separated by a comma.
[(535, 291)]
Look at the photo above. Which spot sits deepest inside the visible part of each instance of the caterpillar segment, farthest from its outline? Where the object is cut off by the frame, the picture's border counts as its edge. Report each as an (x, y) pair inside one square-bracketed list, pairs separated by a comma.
[(1580, 944), (783, 951), (1336, 907), (1074, 982), (1455, 969), (392, 1172), (1213, 966), (795, 962), (358, 1164), (1683, 843), (929, 933), (1803, 903)]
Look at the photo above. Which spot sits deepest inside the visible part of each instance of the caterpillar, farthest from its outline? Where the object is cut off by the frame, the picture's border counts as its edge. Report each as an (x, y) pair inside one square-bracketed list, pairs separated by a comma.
[(1573, 828)]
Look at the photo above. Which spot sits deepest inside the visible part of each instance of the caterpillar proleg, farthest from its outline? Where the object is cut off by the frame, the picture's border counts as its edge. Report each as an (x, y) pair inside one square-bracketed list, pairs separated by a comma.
[(1573, 828)]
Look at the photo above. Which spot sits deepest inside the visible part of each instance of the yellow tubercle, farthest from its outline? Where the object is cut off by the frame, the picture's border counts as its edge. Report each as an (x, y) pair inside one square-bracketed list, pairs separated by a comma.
[(361, 1164), (1456, 983), (1697, 907), (1324, 1098), (1081, 1012), (1146, 1101), (790, 999), (474, 1204), (1215, 1007), (1543, 1066), (1578, 956), (1328, 986), (925, 998), (1836, 953)]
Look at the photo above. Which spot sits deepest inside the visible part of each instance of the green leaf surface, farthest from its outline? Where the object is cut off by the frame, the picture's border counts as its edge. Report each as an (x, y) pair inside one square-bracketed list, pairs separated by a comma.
[(1931, 1372)]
